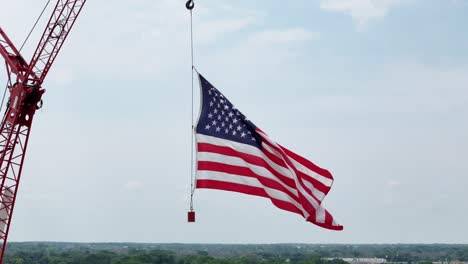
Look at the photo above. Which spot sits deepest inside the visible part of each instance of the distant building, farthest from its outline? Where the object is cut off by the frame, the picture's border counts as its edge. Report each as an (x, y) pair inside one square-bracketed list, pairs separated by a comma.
[(361, 260)]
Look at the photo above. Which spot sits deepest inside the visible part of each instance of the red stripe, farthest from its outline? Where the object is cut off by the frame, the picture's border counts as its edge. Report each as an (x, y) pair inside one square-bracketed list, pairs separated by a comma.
[(240, 188), (243, 171), (254, 160), (307, 163), (328, 218), (332, 227), (317, 184), (306, 204), (206, 147)]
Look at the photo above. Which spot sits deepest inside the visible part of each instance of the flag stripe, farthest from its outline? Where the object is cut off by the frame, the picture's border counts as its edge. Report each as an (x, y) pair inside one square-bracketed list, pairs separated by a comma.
[(253, 156), (309, 198), (234, 187), (308, 201), (209, 152), (315, 185), (249, 155), (308, 164), (310, 169), (243, 171), (228, 178)]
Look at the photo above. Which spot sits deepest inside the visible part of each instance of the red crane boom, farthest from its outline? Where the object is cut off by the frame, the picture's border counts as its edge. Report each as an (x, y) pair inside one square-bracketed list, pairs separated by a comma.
[(25, 86)]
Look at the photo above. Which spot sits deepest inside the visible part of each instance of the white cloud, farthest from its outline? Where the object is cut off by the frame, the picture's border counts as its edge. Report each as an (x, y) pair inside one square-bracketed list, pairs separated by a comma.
[(362, 11), (133, 185), (289, 36), (392, 184), (209, 31)]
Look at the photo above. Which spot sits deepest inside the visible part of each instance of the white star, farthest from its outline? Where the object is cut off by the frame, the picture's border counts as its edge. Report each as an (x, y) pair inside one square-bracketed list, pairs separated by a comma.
[(226, 130), (235, 120), (209, 92), (215, 111), (222, 112), (214, 123), (234, 133), (227, 119), (211, 104), (214, 99), (231, 114), (239, 128), (221, 101), (218, 129), (230, 126), (207, 127), (219, 117), (243, 134), (253, 139), (210, 115), (226, 107), (222, 124), (219, 105)]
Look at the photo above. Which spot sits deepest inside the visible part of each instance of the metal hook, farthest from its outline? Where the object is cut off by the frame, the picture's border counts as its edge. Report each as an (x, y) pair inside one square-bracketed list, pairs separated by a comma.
[(190, 4)]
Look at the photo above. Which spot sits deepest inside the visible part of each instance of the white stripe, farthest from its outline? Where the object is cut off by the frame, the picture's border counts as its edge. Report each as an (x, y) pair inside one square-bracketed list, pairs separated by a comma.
[(320, 215), (326, 181), (236, 161), (299, 186), (255, 151), (299, 166), (320, 195), (247, 181), (334, 223), (247, 149)]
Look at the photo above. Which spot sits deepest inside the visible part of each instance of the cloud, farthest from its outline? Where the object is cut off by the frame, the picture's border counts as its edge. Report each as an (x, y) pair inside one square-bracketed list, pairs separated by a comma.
[(133, 185), (211, 30), (289, 36), (393, 184), (362, 11)]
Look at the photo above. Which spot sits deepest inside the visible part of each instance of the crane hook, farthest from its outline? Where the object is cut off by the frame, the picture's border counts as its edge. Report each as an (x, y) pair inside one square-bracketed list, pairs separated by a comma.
[(190, 4)]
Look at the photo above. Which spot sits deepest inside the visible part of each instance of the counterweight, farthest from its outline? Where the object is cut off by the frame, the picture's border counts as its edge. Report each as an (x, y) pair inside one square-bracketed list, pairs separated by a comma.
[(25, 87)]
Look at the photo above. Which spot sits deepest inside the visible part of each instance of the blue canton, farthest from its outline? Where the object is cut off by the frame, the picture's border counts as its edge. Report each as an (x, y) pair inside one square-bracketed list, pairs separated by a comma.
[(220, 118)]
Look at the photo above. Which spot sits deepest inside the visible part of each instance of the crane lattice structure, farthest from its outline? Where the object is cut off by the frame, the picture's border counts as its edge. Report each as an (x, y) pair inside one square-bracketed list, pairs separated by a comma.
[(24, 82)]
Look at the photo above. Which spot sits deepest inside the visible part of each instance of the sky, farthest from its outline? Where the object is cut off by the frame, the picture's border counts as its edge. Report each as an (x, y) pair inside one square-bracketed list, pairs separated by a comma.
[(376, 91)]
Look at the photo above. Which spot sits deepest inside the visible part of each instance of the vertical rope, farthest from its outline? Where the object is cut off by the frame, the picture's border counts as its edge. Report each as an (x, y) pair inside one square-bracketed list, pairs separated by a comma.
[(3, 98), (190, 6)]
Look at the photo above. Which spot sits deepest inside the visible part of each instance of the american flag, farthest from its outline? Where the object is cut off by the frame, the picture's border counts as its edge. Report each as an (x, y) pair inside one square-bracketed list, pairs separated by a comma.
[(235, 155)]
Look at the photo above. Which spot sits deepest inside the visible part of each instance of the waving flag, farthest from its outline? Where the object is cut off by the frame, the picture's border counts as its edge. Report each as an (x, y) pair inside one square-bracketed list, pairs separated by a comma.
[(235, 155)]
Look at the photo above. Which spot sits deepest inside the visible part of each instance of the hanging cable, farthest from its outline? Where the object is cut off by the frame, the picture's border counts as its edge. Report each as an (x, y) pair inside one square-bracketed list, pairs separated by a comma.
[(3, 97), (35, 24), (191, 217)]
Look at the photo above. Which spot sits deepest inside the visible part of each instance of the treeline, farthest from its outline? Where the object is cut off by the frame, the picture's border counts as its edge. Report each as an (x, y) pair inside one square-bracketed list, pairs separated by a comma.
[(148, 257), (118, 253)]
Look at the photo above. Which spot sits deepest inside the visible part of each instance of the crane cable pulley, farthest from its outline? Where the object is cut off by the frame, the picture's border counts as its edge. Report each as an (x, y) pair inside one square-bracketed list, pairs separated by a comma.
[(190, 5)]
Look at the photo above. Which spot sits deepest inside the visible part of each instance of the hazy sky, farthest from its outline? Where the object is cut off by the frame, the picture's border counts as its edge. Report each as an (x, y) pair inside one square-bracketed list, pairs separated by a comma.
[(376, 91)]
